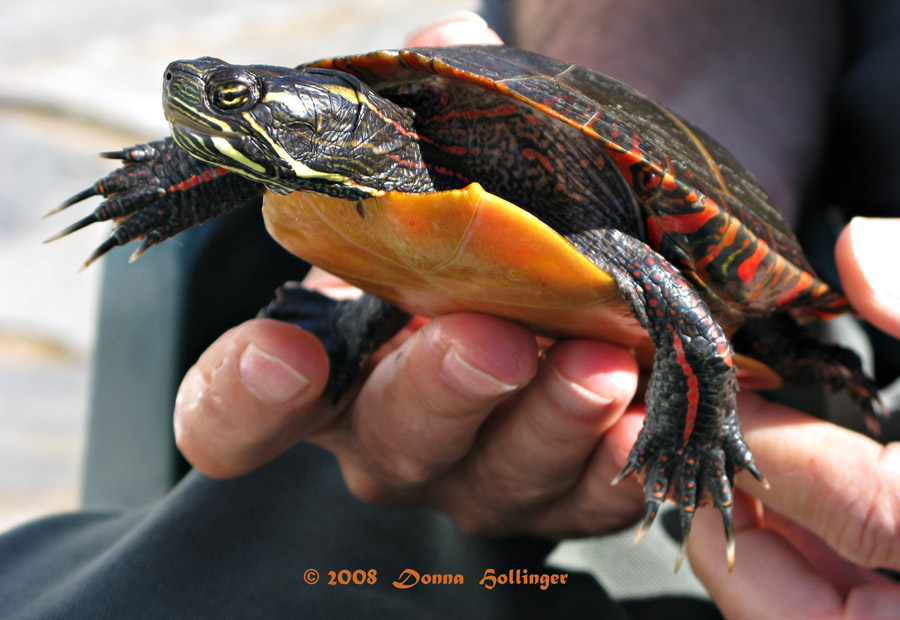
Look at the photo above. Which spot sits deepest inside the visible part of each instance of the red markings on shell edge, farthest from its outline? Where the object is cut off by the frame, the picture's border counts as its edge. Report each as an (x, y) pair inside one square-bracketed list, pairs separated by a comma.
[(747, 269), (729, 231), (691, 222), (693, 393), (803, 283), (624, 160)]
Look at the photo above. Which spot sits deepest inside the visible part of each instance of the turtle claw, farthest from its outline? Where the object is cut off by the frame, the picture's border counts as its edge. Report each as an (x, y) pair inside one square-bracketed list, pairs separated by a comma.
[(122, 155), (145, 245), (649, 518), (844, 371), (687, 517), (874, 412), (82, 195), (137, 154), (629, 469), (728, 522), (754, 471), (82, 223), (872, 425), (682, 552), (102, 249)]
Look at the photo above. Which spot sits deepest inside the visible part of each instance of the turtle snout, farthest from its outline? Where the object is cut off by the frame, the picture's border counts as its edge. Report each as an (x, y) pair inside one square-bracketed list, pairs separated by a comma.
[(191, 69), (177, 76)]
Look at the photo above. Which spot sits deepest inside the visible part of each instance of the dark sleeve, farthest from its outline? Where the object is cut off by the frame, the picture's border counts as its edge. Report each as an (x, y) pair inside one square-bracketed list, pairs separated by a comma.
[(241, 548)]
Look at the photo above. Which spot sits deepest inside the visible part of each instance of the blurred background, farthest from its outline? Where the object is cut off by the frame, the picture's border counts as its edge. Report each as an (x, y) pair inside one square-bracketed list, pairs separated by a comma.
[(77, 79)]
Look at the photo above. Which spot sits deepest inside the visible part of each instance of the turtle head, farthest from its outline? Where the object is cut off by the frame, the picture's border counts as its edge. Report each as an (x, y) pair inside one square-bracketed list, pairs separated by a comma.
[(293, 129)]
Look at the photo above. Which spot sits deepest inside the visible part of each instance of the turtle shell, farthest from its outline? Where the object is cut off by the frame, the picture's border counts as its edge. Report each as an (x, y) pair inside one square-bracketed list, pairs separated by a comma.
[(701, 205)]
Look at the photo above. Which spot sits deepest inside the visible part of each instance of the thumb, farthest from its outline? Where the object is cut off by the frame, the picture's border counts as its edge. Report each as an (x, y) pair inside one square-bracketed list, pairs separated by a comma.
[(866, 258), (251, 395), (455, 29)]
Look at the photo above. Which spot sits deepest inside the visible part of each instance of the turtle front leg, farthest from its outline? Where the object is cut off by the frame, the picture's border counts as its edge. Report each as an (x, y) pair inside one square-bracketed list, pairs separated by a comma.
[(691, 444), (350, 330), (159, 191)]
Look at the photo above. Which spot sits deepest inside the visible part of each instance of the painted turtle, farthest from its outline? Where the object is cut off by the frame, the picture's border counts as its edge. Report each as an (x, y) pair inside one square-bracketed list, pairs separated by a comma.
[(496, 180)]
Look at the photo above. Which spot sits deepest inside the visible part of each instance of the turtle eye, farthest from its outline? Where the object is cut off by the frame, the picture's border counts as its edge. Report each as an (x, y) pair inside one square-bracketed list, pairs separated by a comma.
[(232, 94)]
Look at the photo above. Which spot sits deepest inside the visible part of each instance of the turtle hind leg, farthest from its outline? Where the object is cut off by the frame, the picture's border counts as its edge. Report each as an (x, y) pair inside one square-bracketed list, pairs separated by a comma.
[(801, 359), (691, 444), (350, 330), (691, 463)]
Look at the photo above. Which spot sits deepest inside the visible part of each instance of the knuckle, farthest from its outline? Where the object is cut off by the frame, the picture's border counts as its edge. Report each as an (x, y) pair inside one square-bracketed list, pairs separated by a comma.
[(469, 511), (518, 495), (409, 473), (396, 469), (508, 491), (365, 488)]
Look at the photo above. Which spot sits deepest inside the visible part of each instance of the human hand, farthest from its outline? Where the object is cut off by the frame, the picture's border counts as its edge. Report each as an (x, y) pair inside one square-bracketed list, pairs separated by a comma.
[(461, 414), (833, 513)]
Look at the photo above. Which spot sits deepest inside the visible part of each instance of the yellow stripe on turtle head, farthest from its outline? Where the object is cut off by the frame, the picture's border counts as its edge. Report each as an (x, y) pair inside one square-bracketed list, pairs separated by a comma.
[(224, 147), (300, 169), (350, 94), (345, 92), (354, 96)]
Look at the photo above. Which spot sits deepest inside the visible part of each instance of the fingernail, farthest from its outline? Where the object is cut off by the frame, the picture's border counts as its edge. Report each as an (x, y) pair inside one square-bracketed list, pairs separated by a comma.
[(574, 396), (473, 380), (268, 378), (874, 240)]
